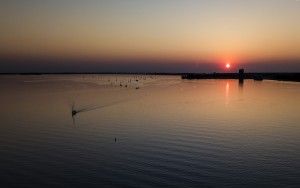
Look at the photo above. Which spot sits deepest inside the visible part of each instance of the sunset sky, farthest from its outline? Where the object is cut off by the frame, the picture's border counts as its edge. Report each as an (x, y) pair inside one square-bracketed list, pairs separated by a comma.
[(149, 35)]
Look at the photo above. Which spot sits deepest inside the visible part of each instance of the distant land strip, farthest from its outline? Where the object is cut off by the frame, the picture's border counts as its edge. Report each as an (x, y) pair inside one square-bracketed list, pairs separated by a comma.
[(295, 77), (95, 73)]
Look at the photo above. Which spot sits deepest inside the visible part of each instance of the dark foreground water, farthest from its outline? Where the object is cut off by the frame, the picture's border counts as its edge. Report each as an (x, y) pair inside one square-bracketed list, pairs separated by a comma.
[(167, 133)]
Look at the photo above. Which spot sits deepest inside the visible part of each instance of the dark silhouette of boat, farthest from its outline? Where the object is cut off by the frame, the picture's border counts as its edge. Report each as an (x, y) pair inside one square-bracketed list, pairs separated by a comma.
[(74, 112)]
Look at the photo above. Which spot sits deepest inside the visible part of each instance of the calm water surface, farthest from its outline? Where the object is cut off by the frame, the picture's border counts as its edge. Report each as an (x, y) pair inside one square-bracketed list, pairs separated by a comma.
[(168, 133)]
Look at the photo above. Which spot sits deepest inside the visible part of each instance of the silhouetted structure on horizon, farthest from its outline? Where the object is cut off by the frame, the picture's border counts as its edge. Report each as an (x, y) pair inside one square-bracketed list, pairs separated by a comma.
[(241, 76)]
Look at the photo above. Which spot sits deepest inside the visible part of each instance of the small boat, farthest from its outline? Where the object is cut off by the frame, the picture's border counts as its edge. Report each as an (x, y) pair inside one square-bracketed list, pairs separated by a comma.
[(74, 112)]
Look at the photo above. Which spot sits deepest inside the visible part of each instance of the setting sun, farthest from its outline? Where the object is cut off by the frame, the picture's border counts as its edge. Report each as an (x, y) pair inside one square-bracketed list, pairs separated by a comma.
[(228, 65)]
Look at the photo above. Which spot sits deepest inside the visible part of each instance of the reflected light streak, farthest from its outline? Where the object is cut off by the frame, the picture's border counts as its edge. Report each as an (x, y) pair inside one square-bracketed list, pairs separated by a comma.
[(227, 93)]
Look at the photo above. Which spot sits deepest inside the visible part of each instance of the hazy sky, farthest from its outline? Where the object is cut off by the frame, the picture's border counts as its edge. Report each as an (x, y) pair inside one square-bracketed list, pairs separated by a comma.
[(97, 33)]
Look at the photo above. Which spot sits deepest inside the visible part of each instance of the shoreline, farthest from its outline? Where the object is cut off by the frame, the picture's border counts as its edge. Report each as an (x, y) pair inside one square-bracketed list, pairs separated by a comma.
[(294, 77)]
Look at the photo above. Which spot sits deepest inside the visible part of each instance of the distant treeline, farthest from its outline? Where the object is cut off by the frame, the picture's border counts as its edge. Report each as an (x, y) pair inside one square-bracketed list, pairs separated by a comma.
[(95, 73), (266, 76)]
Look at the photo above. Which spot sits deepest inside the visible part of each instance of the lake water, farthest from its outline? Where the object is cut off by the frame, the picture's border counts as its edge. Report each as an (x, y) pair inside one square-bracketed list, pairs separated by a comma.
[(158, 132)]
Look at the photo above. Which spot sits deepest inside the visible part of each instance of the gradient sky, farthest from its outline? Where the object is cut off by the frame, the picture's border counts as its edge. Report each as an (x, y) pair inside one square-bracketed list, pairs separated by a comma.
[(116, 35)]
